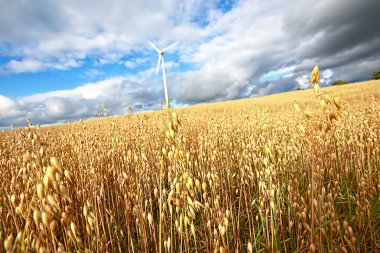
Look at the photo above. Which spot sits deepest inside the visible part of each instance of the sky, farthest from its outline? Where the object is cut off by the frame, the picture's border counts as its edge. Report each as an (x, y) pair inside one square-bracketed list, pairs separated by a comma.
[(61, 60)]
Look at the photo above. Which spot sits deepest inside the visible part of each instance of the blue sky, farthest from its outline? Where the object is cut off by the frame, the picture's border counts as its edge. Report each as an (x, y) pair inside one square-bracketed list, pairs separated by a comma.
[(60, 61)]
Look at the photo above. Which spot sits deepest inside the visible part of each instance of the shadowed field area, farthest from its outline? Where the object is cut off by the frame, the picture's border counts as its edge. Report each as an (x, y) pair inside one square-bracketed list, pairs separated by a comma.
[(281, 173)]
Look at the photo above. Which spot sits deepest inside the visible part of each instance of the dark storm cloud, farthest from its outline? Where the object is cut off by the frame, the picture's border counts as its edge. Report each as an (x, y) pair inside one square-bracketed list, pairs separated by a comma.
[(336, 25), (334, 33)]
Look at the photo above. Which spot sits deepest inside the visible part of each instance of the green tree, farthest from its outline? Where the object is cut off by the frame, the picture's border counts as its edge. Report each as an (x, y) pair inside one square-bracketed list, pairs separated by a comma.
[(376, 75), (339, 82)]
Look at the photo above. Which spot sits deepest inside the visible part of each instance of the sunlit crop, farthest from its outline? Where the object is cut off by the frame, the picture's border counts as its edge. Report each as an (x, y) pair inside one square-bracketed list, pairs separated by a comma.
[(239, 177)]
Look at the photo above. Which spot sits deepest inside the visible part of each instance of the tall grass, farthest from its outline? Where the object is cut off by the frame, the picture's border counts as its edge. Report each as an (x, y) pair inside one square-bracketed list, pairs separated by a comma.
[(226, 179)]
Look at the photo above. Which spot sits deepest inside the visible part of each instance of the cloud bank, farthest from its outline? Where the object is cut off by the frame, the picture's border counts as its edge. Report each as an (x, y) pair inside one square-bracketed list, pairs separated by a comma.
[(243, 49)]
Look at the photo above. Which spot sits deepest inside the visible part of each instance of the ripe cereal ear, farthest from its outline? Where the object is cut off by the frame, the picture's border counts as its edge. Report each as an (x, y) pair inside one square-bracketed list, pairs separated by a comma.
[(314, 78)]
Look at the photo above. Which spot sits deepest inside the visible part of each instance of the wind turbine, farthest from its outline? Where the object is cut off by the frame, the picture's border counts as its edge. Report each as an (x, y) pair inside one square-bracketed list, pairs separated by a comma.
[(161, 59)]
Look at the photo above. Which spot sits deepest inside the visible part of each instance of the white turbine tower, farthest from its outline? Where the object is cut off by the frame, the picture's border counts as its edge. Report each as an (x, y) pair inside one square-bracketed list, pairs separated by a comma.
[(161, 59)]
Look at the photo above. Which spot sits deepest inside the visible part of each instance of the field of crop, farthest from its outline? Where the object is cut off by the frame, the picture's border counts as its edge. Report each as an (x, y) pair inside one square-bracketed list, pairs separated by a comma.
[(282, 173)]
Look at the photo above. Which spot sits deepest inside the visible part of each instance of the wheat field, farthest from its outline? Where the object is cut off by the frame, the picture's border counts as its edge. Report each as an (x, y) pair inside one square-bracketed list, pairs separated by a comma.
[(283, 173)]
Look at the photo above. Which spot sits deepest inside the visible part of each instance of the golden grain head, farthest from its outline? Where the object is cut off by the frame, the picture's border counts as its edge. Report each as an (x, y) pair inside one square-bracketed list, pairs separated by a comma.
[(8, 244), (249, 247), (50, 172), (314, 78), (46, 181), (56, 164), (150, 219), (46, 218), (37, 216)]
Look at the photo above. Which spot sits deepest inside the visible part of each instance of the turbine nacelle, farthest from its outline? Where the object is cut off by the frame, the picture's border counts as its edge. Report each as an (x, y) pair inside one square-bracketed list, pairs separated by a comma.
[(161, 54)]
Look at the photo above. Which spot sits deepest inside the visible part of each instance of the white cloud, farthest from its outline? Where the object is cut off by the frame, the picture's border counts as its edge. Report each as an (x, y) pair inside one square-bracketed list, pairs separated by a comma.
[(135, 62), (32, 65), (8, 108), (327, 73), (230, 58), (117, 93), (303, 81), (27, 65), (325, 77), (130, 64)]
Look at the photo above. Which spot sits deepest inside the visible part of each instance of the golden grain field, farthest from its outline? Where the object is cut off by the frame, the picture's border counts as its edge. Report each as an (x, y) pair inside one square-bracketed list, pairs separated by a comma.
[(282, 173)]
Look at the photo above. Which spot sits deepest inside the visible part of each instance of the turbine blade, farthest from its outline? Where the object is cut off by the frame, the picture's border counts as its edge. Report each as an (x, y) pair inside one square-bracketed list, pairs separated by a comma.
[(155, 48), (172, 45), (158, 63)]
